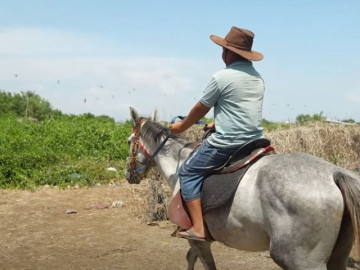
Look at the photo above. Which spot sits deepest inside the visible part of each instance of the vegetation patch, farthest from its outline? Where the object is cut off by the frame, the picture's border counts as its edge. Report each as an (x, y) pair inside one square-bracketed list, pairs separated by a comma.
[(41, 146), (66, 151)]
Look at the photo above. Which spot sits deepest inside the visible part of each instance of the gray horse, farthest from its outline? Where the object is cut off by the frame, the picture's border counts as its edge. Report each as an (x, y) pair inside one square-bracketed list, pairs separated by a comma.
[(303, 209)]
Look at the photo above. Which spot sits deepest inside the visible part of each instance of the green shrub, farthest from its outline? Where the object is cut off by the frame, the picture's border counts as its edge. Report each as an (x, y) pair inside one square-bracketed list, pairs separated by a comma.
[(57, 151)]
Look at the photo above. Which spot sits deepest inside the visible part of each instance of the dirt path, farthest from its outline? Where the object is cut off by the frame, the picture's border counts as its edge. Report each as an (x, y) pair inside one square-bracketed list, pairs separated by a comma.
[(36, 233)]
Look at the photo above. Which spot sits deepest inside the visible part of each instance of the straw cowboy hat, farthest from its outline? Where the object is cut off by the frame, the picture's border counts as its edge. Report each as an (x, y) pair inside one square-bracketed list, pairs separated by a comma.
[(240, 42)]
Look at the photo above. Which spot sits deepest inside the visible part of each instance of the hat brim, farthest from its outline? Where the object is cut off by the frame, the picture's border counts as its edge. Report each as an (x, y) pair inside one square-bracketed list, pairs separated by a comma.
[(250, 55)]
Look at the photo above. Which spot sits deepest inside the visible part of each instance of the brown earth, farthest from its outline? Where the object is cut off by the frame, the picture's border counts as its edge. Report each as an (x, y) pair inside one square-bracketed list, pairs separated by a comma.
[(36, 232)]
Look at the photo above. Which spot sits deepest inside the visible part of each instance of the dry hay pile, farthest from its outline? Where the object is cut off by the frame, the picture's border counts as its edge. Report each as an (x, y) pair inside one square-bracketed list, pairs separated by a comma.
[(339, 144)]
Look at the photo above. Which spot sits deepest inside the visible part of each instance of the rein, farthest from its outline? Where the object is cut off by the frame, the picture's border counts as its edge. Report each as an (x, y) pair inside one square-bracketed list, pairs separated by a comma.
[(137, 144)]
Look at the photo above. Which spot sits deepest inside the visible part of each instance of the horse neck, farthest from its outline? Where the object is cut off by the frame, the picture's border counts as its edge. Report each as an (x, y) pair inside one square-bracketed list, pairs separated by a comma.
[(169, 159)]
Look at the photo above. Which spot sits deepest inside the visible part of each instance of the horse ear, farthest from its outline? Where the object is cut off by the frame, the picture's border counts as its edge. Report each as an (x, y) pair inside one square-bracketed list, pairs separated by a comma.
[(154, 115), (134, 115)]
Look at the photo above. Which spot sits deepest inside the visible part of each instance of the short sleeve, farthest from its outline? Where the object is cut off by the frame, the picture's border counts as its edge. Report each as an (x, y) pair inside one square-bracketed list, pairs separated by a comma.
[(211, 94)]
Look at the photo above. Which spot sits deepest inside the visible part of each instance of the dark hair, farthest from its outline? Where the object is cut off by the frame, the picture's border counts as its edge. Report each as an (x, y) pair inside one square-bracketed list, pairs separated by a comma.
[(239, 58), (235, 56)]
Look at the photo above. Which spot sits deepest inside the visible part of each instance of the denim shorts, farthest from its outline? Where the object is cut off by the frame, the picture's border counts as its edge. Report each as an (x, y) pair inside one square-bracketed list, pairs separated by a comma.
[(201, 163)]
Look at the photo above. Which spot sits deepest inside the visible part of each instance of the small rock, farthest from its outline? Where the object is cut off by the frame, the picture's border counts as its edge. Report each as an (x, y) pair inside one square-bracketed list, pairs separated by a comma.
[(98, 206), (111, 169), (70, 211), (153, 223), (117, 204)]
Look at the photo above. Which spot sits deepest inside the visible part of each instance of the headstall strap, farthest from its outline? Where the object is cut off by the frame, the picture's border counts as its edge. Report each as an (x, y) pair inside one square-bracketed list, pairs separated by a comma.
[(141, 146), (137, 128), (137, 144), (136, 131)]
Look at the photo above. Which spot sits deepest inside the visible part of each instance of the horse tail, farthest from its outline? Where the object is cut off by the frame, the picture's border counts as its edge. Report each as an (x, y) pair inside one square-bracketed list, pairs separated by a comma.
[(350, 189)]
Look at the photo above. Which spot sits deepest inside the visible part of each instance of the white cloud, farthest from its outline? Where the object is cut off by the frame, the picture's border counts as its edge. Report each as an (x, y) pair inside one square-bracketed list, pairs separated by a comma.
[(78, 83), (354, 97), (28, 42)]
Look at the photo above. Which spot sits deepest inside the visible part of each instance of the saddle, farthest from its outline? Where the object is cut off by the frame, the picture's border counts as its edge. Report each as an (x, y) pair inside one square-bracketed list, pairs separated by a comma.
[(215, 191), (244, 155)]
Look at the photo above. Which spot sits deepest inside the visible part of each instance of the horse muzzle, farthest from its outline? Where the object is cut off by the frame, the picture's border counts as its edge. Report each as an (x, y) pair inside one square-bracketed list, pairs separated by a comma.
[(131, 178)]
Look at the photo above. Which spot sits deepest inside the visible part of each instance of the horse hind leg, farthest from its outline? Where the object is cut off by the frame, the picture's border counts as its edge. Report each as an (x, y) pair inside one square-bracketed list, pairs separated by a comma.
[(343, 245), (289, 259), (301, 247)]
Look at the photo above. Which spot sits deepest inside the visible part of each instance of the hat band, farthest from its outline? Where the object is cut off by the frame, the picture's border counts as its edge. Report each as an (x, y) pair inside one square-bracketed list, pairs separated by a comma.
[(245, 48)]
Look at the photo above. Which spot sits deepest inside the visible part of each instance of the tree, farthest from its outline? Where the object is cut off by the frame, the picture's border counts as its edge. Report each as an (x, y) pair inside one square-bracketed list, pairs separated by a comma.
[(304, 118), (352, 121), (26, 104)]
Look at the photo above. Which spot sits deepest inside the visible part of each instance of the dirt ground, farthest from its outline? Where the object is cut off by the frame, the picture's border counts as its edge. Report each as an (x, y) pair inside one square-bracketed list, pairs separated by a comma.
[(97, 228)]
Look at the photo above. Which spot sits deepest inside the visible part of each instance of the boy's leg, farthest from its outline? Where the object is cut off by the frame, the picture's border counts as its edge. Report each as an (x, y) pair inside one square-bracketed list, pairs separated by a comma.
[(192, 173), (195, 211)]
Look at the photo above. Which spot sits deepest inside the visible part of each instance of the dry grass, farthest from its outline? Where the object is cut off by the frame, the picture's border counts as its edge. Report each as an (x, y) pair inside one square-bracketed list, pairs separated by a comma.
[(338, 144)]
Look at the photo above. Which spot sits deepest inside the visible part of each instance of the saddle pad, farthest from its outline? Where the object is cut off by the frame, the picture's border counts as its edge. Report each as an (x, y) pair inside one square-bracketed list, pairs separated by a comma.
[(215, 193), (218, 189)]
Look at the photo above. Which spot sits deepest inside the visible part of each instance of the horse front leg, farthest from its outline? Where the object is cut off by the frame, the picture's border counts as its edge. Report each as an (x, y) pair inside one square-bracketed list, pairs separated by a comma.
[(191, 258), (201, 250)]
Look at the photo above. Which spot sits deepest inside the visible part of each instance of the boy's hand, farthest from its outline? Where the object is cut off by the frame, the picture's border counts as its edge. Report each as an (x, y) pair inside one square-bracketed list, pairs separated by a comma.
[(176, 128)]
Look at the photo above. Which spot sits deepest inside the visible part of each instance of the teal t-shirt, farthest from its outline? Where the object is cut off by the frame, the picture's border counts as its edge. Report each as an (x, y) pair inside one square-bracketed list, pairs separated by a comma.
[(236, 93)]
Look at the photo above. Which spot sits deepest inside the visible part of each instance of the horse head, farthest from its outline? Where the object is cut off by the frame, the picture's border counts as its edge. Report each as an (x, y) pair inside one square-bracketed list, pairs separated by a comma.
[(139, 160)]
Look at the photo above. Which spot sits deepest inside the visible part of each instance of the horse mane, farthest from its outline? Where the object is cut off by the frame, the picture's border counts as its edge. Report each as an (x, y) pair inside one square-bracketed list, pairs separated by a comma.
[(154, 133)]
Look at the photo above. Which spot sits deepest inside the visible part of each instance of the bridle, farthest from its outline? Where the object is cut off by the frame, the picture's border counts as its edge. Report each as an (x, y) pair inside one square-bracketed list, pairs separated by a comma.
[(137, 146)]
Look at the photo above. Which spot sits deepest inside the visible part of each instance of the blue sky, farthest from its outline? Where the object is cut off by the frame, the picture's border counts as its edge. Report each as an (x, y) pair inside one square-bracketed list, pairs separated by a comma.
[(104, 56)]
